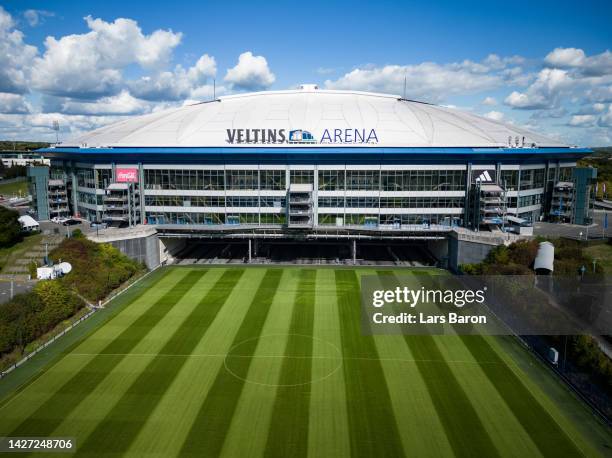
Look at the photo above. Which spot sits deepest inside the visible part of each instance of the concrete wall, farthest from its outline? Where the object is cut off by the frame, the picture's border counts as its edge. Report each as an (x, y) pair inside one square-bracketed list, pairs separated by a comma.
[(169, 247), (143, 249), (466, 252)]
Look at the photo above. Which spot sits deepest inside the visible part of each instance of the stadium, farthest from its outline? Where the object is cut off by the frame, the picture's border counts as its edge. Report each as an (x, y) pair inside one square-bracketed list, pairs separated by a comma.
[(331, 167), (270, 359)]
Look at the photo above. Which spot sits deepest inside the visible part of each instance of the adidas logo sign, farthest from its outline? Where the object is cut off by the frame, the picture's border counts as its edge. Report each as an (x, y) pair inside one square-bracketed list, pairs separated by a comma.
[(484, 177)]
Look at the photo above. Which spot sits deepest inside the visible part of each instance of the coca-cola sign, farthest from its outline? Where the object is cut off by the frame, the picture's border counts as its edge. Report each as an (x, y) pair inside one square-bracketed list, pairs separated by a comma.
[(127, 175)]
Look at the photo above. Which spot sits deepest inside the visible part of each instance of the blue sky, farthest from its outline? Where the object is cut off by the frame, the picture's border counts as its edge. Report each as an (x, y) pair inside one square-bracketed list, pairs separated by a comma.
[(543, 65)]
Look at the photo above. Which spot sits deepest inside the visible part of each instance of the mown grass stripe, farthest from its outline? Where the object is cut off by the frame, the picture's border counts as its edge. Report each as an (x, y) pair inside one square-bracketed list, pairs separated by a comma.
[(248, 430), (428, 437), (213, 420), (464, 429), (550, 439), (55, 409), (328, 427), (288, 432), (544, 431), (373, 428), (547, 435), (121, 425)]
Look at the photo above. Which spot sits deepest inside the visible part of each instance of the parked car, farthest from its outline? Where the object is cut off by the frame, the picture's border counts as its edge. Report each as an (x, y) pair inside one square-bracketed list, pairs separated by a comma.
[(98, 224)]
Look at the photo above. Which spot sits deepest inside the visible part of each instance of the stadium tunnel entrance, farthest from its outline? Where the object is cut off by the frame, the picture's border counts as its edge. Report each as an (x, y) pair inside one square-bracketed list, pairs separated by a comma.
[(381, 252)]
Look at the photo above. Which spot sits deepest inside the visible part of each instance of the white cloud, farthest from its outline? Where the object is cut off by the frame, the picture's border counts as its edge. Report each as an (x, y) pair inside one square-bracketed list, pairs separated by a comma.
[(36, 17), (599, 94), (39, 126), (120, 104), (489, 101), (13, 103), (543, 92), (430, 81), (581, 121), (176, 85), (205, 67), (15, 56), (599, 107), (494, 115), (520, 100), (565, 57), (599, 64), (251, 73), (90, 65), (594, 108)]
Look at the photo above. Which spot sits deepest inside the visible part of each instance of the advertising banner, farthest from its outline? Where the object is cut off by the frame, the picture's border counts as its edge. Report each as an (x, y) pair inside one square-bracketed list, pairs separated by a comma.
[(127, 175)]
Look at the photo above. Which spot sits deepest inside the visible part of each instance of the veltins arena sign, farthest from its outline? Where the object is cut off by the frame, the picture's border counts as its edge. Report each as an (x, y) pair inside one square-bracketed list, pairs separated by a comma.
[(300, 136)]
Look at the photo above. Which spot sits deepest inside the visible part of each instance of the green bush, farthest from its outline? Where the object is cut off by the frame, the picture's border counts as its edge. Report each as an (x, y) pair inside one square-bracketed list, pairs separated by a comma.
[(32, 266), (589, 356), (97, 269), (524, 252), (78, 234), (471, 269), (30, 315)]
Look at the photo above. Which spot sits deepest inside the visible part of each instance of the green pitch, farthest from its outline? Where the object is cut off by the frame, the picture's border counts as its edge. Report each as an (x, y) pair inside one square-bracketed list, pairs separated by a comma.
[(271, 361)]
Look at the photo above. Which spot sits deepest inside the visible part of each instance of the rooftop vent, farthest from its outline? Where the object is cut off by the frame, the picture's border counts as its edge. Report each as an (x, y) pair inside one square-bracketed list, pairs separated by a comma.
[(309, 87)]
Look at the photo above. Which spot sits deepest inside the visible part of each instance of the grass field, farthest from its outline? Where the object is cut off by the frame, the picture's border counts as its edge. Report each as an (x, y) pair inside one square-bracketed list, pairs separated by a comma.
[(272, 362), (602, 253), (16, 188)]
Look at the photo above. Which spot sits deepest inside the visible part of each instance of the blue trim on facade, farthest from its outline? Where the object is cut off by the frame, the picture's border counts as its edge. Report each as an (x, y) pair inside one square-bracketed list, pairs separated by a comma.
[(360, 155)]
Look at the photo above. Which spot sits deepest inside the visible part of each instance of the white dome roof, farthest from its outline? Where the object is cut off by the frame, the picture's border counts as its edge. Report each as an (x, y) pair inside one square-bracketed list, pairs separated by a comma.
[(397, 122)]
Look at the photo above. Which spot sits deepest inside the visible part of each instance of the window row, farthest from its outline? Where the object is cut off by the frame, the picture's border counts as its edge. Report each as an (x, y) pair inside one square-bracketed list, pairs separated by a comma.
[(215, 218), (392, 202), (392, 180), (215, 179), (395, 220), (329, 180), (214, 201)]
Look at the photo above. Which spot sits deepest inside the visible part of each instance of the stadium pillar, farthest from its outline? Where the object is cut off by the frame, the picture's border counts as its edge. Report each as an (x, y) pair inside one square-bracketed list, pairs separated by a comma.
[(354, 251), (249, 250)]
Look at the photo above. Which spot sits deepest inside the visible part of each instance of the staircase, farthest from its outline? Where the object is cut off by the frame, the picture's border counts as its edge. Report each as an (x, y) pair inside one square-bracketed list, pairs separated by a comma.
[(299, 206)]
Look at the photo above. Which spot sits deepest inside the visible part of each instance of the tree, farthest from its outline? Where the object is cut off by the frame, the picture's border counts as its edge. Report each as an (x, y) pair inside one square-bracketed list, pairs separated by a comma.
[(10, 228)]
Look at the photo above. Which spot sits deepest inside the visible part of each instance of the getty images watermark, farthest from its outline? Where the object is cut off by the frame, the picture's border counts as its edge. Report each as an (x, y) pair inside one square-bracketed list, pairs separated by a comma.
[(494, 305)]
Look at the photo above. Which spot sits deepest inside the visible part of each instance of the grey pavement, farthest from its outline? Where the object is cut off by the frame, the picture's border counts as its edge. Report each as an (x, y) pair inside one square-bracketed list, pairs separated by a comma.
[(18, 287), (593, 231)]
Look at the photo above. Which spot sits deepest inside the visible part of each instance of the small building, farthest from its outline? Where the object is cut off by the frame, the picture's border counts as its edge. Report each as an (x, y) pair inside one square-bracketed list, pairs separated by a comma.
[(28, 224)]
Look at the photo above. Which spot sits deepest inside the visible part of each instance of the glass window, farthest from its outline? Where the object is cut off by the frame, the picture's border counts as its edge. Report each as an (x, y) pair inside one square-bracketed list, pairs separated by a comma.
[(273, 180), (302, 176), (423, 180), (362, 180), (331, 180), (242, 179), (509, 179)]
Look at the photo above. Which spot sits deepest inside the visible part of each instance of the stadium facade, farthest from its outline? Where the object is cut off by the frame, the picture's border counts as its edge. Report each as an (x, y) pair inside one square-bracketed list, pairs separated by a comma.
[(312, 161)]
